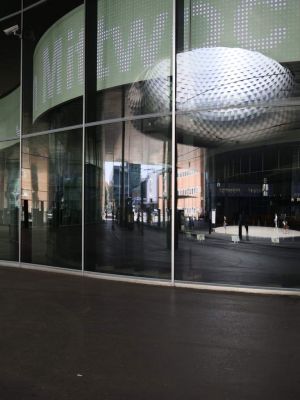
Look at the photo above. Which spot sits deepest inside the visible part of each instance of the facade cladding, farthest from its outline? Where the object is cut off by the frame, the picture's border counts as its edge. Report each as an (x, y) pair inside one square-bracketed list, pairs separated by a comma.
[(128, 153)]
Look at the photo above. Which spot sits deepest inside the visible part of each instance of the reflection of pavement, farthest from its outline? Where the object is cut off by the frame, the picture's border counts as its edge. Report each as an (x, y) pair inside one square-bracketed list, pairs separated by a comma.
[(259, 231), (142, 251), (255, 262), (146, 252)]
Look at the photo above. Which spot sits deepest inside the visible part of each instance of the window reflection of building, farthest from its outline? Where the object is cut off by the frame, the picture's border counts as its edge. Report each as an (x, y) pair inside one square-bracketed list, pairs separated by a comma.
[(9, 199), (237, 133), (132, 174), (35, 181), (190, 178), (51, 199), (261, 181)]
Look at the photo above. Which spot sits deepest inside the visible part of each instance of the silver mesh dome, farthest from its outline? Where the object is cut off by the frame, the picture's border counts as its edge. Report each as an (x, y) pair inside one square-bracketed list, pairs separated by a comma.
[(223, 94)]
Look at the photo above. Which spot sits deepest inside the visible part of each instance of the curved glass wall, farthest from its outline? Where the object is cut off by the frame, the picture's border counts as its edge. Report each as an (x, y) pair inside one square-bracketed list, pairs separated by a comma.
[(128, 199), (97, 149), (53, 65), (9, 139), (124, 41), (9, 200), (238, 137), (51, 199)]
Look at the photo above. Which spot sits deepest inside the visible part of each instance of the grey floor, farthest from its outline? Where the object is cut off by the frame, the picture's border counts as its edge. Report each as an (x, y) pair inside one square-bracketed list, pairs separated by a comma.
[(67, 337)]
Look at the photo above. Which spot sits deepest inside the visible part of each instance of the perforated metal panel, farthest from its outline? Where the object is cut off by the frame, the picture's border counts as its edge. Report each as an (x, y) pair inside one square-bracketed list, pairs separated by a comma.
[(223, 94)]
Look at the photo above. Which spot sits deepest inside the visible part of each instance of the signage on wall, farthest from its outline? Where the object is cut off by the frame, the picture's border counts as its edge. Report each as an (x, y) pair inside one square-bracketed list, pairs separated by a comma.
[(10, 115), (135, 34), (130, 38), (242, 190), (213, 216), (268, 26)]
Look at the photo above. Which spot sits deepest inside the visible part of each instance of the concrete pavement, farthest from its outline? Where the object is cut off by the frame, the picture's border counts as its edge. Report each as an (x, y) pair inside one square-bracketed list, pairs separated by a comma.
[(67, 337)]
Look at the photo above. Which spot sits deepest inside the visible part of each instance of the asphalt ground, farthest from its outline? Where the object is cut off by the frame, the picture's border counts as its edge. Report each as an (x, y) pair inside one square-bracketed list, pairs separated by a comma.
[(69, 337)]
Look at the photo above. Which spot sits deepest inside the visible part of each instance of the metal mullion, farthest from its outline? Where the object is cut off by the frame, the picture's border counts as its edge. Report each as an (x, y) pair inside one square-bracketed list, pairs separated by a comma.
[(21, 131), (83, 150), (173, 145), (56, 130)]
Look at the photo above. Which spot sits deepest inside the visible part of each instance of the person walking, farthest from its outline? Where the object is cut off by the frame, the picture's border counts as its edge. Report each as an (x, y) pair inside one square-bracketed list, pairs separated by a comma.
[(276, 221), (225, 223), (246, 224), (241, 222)]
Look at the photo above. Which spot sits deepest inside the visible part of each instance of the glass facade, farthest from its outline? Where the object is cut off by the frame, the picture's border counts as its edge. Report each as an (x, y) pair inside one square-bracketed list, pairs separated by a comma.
[(51, 199), (127, 199), (53, 66), (137, 145), (10, 49), (238, 205), (9, 198)]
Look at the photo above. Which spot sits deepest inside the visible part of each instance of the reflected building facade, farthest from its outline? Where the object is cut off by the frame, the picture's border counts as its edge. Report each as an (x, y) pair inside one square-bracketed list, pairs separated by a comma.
[(118, 159)]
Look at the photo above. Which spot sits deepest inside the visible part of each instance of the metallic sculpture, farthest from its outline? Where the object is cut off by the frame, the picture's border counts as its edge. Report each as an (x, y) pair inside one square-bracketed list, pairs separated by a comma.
[(223, 94)]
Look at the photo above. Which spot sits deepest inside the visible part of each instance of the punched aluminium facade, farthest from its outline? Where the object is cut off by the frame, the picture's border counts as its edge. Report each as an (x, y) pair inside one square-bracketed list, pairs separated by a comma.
[(152, 139)]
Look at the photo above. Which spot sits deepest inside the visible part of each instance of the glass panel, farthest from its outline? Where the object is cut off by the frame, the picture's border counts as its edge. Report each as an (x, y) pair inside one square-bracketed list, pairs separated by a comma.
[(53, 65), (238, 138), (128, 175), (9, 200), (10, 47), (51, 199), (128, 58), (9, 7)]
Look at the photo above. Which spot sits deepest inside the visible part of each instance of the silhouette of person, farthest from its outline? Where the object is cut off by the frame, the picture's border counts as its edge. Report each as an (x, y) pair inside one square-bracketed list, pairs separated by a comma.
[(225, 223), (243, 221), (246, 224), (276, 220)]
